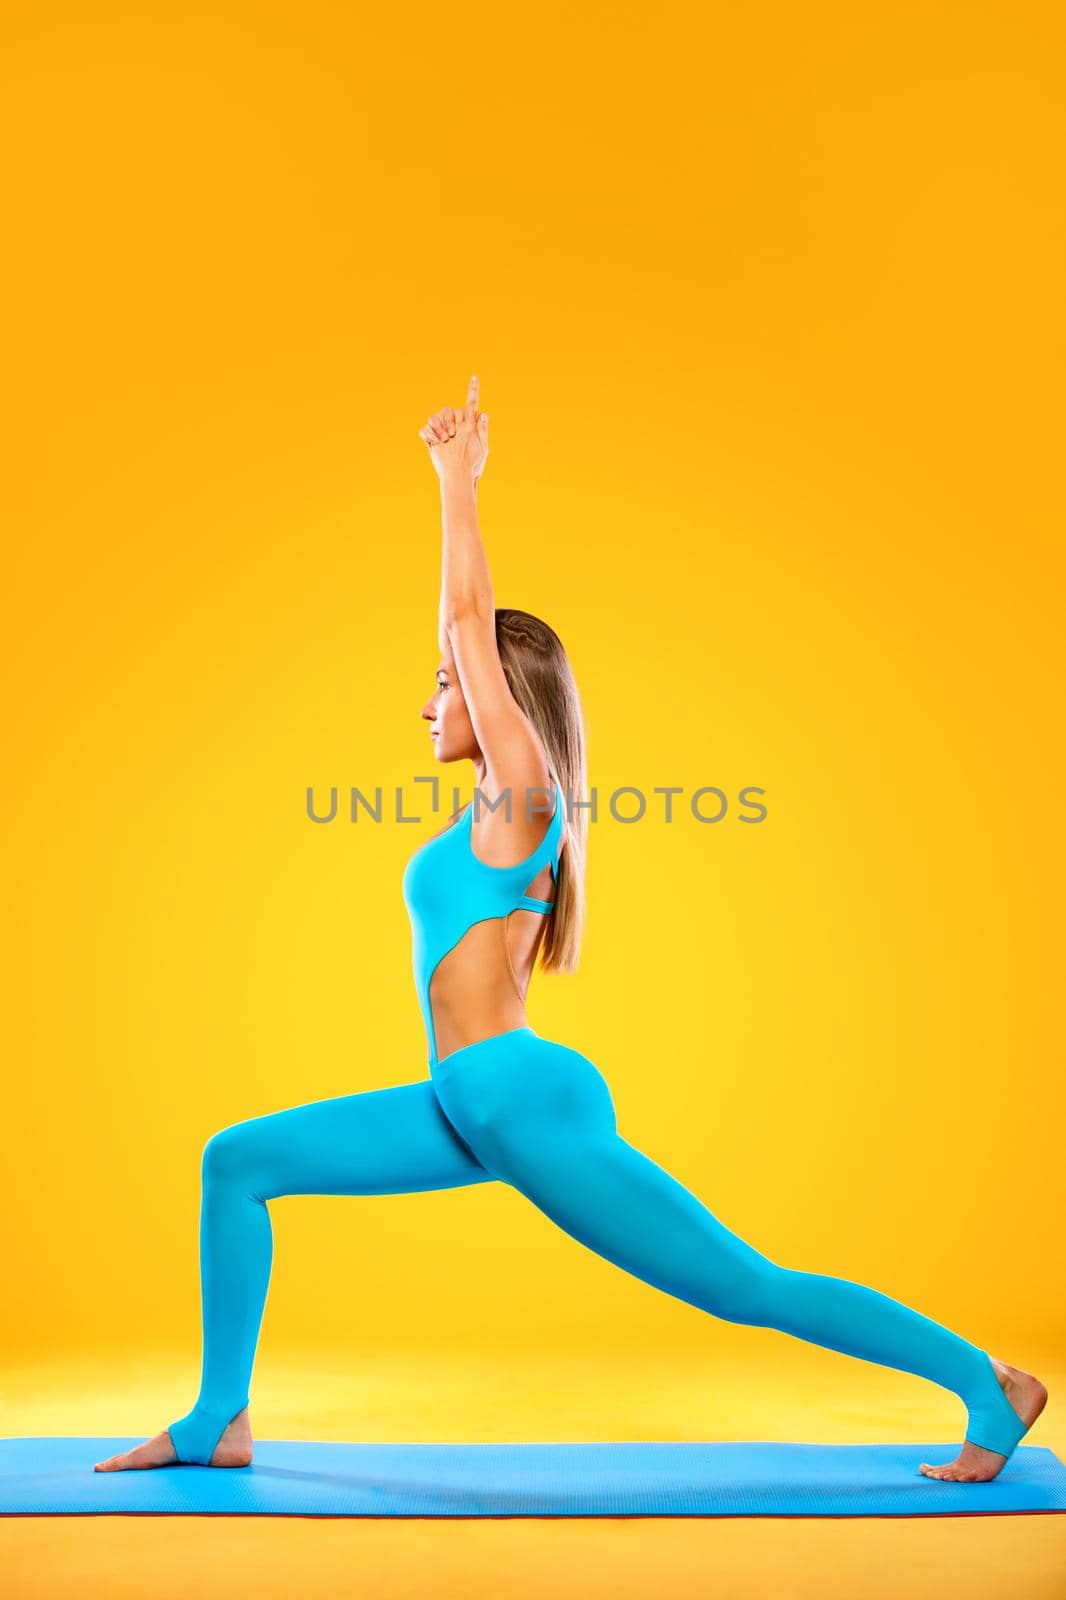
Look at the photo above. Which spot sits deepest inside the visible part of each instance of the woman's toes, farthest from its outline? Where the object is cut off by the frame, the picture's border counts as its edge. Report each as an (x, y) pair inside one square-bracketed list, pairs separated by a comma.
[(967, 1469), (157, 1452)]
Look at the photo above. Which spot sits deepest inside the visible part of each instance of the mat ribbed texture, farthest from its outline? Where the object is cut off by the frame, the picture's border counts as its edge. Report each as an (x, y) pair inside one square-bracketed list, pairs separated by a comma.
[(54, 1476)]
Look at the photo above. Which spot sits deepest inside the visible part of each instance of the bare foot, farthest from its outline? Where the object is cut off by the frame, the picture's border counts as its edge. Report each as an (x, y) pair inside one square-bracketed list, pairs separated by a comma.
[(234, 1449), (975, 1464)]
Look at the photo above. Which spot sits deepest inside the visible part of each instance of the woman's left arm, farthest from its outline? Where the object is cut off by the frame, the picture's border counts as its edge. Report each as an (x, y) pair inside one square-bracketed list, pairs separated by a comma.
[(459, 447)]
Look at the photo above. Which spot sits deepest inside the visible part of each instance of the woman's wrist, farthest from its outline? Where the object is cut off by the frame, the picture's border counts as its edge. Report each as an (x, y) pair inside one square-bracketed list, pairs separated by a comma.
[(457, 485)]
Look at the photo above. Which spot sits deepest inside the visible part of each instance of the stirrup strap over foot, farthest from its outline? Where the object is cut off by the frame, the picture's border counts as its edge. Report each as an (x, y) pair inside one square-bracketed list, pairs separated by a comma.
[(195, 1436), (994, 1424)]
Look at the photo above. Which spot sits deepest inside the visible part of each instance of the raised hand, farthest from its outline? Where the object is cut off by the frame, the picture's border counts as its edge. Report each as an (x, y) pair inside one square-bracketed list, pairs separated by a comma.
[(458, 441)]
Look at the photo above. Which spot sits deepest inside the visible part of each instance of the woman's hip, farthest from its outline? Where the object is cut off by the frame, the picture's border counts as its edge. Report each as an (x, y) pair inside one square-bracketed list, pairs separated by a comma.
[(518, 1086)]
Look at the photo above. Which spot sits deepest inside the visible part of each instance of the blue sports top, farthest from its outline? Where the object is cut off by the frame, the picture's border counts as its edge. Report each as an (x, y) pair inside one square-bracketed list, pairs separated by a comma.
[(447, 888)]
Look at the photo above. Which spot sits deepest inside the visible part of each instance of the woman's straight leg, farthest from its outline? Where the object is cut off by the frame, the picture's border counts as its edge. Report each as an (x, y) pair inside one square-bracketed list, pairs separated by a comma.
[(384, 1141), (540, 1116), (623, 1205)]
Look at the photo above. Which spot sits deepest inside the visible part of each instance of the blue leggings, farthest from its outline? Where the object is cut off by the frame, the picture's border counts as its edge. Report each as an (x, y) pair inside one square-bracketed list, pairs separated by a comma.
[(535, 1114)]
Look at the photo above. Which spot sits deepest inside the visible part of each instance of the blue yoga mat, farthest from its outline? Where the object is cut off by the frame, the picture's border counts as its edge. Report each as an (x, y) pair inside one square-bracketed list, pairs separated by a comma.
[(54, 1476)]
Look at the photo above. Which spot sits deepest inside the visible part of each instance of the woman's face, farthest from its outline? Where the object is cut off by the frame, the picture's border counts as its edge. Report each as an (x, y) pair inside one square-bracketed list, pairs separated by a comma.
[(450, 728)]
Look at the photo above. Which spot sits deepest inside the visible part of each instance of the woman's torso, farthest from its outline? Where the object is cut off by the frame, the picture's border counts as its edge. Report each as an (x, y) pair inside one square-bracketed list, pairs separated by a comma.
[(475, 941)]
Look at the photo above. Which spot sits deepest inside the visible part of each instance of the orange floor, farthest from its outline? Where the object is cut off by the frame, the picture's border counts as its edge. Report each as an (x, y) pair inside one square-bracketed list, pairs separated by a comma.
[(812, 1395)]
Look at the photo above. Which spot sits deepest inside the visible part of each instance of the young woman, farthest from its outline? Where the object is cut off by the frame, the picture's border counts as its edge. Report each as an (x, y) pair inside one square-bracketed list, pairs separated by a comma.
[(498, 886)]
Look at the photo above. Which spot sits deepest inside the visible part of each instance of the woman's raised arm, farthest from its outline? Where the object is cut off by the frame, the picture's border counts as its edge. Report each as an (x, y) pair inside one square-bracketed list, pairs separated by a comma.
[(512, 750), (458, 448)]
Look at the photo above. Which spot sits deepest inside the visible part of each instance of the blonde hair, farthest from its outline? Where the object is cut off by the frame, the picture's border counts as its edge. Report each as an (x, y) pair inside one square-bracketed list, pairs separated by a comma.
[(541, 680)]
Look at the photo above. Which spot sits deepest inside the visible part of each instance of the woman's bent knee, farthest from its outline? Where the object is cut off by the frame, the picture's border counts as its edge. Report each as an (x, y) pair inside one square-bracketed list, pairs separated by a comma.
[(226, 1154)]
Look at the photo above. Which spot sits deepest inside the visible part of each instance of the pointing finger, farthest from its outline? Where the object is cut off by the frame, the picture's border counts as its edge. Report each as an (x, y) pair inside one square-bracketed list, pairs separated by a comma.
[(471, 400)]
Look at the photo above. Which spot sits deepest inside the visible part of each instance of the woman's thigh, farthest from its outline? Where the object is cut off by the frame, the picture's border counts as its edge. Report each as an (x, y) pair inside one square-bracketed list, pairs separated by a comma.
[(383, 1141)]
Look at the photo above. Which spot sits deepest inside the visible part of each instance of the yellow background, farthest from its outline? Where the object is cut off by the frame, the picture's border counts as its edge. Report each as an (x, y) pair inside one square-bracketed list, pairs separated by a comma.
[(766, 307)]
